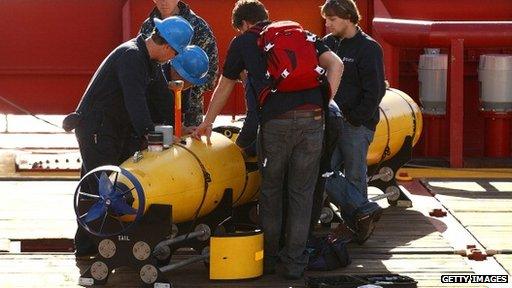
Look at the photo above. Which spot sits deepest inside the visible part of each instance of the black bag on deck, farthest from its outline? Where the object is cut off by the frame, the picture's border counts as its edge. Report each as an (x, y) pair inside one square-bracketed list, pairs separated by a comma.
[(354, 281), (327, 253)]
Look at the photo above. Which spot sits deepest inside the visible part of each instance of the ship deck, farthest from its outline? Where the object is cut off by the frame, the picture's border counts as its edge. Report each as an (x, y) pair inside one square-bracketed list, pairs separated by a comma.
[(37, 224)]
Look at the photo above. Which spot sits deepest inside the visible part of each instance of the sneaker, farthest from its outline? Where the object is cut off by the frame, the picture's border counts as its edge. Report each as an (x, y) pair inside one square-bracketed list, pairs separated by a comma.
[(365, 225)]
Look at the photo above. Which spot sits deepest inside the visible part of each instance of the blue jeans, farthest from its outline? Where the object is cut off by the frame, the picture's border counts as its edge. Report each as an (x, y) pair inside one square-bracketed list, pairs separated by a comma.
[(350, 191), (350, 200), (291, 148), (352, 151)]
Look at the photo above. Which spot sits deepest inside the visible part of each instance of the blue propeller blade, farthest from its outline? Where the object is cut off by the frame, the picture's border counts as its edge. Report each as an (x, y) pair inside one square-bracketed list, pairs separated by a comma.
[(120, 207), (97, 210), (104, 186)]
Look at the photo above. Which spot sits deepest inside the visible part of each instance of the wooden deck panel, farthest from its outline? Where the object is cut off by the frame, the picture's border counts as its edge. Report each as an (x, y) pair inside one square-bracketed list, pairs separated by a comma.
[(400, 234), (486, 215), (505, 261), (37, 209), (404, 242), (61, 270)]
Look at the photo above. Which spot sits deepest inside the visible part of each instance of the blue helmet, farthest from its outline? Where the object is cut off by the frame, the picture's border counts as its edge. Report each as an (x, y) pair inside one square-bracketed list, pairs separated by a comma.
[(176, 31), (192, 64)]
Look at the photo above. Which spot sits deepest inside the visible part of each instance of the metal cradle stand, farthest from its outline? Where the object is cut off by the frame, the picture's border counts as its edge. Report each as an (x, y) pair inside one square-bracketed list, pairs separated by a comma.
[(385, 180), (147, 246)]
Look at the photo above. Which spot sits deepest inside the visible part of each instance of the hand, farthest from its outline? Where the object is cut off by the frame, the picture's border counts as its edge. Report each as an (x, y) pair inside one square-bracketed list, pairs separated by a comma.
[(187, 130), (203, 129)]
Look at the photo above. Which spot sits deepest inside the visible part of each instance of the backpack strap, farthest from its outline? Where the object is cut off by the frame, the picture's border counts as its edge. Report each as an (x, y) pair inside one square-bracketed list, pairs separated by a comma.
[(255, 30), (258, 28)]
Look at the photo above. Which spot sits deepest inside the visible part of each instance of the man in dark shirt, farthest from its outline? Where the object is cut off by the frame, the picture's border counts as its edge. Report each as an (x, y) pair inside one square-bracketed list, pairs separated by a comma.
[(114, 117), (361, 90), (290, 140), (161, 99)]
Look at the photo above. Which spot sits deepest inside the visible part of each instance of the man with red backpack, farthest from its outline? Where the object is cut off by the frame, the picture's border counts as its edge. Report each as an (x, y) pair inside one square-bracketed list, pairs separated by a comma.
[(291, 122)]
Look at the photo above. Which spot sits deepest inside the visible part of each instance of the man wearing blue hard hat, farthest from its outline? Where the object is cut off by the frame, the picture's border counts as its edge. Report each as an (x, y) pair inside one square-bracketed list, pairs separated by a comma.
[(191, 65), (112, 119), (160, 100)]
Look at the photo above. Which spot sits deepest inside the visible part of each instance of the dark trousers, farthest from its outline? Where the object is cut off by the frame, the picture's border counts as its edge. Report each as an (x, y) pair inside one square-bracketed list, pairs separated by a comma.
[(331, 137), (290, 147), (247, 138)]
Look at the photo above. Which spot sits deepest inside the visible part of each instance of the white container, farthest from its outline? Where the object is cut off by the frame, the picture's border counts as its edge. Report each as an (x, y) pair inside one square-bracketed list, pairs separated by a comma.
[(495, 76), (432, 75), (167, 131)]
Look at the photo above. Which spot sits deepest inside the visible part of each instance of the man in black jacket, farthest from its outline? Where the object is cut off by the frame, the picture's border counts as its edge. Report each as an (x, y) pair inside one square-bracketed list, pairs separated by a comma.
[(361, 90), (113, 115)]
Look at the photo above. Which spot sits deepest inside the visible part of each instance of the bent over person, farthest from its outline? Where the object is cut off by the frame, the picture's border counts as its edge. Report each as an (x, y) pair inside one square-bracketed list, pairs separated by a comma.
[(113, 115), (161, 99), (290, 140)]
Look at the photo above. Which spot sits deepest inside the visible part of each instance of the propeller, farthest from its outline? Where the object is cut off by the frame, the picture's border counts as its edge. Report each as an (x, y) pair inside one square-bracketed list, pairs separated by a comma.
[(114, 197), (109, 198)]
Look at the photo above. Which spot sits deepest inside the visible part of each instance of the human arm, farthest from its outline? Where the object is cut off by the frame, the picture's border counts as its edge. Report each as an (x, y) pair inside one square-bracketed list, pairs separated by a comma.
[(219, 99), (233, 66), (133, 80), (334, 70)]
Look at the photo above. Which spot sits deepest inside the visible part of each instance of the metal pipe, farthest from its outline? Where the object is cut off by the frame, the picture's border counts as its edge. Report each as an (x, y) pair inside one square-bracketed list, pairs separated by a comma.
[(456, 102), (180, 238), (186, 262), (335, 210), (419, 33), (492, 252), (381, 196)]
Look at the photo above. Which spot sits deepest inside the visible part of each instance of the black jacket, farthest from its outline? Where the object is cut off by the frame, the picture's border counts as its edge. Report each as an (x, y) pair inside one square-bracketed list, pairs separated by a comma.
[(362, 84), (114, 102)]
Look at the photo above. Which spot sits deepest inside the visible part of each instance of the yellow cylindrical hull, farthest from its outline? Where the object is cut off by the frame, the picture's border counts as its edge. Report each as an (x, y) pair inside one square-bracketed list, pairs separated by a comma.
[(193, 176), (400, 117)]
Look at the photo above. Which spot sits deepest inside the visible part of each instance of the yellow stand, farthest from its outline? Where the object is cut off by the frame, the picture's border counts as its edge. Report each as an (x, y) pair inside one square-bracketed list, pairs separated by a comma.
[(236, 256)]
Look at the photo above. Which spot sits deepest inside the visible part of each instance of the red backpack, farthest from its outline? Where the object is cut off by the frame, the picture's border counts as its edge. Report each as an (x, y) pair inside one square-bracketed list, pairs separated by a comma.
[(292, 60)]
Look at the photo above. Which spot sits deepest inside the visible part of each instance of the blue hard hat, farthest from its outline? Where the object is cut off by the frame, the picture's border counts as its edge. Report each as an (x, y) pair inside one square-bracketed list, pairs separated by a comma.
[(176, 31), (192, 64)]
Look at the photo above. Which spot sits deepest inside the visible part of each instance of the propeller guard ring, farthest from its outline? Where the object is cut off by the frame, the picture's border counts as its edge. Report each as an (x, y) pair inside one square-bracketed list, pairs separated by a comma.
[(101, 201)]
